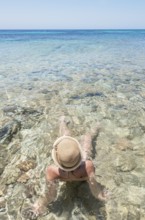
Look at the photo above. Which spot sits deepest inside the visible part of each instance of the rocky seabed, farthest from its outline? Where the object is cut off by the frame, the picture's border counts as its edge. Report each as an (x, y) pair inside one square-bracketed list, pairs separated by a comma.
[(29, 126)]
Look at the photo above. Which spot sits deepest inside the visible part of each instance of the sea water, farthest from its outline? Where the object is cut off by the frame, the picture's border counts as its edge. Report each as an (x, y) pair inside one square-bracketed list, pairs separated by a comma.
[(95, 74), (106, 62), (56, 54), (90, 76)]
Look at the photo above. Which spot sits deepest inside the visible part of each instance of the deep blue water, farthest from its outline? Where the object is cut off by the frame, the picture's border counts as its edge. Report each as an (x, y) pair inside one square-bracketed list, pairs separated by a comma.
[(25, 35), (57, 54)]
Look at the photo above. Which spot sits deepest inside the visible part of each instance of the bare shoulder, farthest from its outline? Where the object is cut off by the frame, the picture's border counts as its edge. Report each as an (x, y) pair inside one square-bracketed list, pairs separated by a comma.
[(89, 167), (52, 173)]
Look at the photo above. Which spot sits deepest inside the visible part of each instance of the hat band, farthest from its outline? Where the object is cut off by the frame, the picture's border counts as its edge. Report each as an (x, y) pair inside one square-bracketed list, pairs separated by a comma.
[(70, 167), (55, 158)]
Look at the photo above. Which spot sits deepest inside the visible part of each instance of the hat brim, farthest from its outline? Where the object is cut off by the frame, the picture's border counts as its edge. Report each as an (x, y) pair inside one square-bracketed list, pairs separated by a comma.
[(54, 157)]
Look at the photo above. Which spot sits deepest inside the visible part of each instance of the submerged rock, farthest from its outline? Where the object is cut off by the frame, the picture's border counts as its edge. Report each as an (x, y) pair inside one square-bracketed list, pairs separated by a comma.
[(125, 163), (2, 205), (23, 178), (11, 174), (87, 95), (21, 110), (3, 158), (26, 165), (9, 130), (10, 109)]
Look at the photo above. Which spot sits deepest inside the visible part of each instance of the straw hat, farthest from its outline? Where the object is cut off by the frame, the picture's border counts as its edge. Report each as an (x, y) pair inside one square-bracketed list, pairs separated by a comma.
[(67, 153)]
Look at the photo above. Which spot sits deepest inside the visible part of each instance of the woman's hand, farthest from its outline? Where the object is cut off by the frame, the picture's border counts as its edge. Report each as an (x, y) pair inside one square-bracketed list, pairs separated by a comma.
[(34, 211)]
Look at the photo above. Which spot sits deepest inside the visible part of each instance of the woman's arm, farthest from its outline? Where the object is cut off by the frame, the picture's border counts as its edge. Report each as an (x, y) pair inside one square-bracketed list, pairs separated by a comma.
[(98, 191), (48, 195), (50, 190)]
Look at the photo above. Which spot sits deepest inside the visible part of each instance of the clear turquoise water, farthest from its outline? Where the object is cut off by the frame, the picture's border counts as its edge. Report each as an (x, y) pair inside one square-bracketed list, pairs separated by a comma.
[(27, 54), (112, 61), (91, 76)]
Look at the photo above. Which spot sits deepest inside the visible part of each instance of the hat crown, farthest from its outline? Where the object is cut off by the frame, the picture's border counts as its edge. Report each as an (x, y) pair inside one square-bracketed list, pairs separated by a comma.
[(67, 153)]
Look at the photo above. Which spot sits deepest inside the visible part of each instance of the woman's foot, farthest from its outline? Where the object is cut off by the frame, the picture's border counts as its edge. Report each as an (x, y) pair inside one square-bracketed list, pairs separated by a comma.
[(104, 195), (95, 131), (63, 127)]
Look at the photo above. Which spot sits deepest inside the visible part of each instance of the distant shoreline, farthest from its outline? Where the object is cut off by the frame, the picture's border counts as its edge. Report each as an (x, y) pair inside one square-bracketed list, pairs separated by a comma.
[(103, 29)]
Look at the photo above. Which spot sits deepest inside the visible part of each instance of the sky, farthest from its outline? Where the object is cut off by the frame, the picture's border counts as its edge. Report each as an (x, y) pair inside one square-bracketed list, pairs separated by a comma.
[(72, 14)]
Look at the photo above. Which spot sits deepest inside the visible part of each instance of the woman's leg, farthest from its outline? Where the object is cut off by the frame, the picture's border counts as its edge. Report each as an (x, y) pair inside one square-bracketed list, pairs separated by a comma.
[(63, 127), (87, 141)]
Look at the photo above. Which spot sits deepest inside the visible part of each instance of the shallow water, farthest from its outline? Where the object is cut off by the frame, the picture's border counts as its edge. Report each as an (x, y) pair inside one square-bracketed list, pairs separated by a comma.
[(89, 76), (111, 59), (83, 68)]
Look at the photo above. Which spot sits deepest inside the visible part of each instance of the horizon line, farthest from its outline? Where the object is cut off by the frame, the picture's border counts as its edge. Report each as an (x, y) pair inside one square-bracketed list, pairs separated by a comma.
[(72, 29)]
